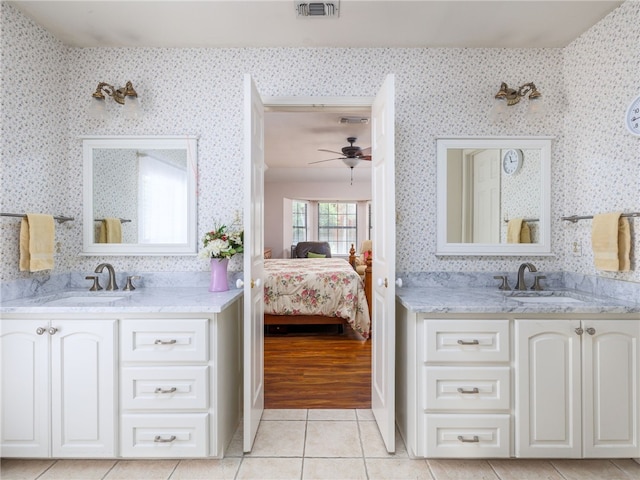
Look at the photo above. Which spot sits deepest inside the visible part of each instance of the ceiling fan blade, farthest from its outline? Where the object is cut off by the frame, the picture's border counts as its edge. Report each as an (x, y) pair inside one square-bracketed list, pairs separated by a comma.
[(366, 150), (327, 160), (330, 151), (364, 157)]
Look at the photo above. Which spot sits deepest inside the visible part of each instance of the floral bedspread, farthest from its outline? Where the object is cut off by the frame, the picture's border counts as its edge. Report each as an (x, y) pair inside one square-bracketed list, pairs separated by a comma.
[(316, 286)]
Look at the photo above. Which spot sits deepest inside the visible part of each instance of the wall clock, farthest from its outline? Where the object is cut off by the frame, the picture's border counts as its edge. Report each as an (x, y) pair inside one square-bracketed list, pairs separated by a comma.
[(632, 119), (512, 161)]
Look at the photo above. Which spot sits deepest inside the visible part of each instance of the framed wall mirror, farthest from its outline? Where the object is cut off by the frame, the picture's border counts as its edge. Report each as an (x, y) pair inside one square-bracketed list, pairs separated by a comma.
[(139, 195), (494, 196)]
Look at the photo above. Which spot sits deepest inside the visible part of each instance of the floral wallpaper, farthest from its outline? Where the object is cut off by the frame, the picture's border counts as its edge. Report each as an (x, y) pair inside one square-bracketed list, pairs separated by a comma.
[(439, 92)]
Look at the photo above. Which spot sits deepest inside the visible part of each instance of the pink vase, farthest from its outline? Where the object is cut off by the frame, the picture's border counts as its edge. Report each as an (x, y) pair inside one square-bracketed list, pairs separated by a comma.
[(219, 275)]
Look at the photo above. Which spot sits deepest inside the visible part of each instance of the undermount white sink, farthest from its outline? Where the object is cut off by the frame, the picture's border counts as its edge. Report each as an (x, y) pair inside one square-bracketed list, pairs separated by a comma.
[(547, 299), (85, 300)]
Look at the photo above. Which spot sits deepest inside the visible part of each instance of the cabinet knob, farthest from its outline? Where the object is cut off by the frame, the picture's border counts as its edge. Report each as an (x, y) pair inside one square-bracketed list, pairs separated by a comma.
[(159, 439), (579, 331), (53, 330), (40, 330), (591, 331)]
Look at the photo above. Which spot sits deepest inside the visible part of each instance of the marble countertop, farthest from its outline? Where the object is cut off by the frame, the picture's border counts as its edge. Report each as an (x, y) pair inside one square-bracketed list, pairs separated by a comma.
[(141, 300), (484, 300)]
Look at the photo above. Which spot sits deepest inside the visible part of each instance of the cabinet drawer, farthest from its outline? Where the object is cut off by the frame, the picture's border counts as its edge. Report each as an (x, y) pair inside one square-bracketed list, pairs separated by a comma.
[(469, 436), (467, 388), (165, 388), (466, 341), (176, 340), (167, 436)]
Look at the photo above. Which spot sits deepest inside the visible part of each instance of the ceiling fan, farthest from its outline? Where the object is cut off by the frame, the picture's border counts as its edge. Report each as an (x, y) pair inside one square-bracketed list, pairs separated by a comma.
[(351, 154)]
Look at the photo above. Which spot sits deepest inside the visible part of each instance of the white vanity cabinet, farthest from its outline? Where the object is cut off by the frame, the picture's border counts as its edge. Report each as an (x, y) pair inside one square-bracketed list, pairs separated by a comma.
[(180, 389), (58, 387), (577, 388), (454, 395), (545, 386)]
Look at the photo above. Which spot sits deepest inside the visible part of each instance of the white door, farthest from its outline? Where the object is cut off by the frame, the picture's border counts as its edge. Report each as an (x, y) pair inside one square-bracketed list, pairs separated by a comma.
[(611, 363), (253, 261), (24, 425), (83, 388), (384, 264), (548, 394), (486, 196)]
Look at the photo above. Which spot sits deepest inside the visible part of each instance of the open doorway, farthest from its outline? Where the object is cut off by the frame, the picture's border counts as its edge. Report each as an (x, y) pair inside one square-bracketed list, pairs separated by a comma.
[(382, 296), (315, 366)]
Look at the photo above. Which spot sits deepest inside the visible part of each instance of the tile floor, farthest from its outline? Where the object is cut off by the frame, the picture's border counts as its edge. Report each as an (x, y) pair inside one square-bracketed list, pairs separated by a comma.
[(319, 444)]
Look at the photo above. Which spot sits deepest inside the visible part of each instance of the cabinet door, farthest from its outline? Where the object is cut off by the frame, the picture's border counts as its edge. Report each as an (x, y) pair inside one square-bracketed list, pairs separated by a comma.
[(83, 388), (548, 410), (24, 427), (611, 365)]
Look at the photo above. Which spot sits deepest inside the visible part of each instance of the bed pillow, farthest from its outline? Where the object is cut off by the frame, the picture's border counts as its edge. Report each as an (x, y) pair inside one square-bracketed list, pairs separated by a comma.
[(316, 255)]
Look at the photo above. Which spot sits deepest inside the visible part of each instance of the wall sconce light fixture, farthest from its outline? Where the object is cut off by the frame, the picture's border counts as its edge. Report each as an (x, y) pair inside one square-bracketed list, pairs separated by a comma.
[(125, 96), (507, 97)]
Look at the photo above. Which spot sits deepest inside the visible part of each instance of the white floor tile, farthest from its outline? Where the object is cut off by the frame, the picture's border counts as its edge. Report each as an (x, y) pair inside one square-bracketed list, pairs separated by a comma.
[(224, 469), (589, 470), (142, 470), (279, 438), (332, 414), (457, 469), (284, 414), (334, 469), (270, 468), (332, 439), (397, 469), (364, 414), (79, 470), (23, 469)]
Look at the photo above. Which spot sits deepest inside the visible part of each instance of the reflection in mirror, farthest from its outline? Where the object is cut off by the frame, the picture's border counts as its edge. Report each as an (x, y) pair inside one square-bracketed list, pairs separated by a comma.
[(139, 195), (493, 196)]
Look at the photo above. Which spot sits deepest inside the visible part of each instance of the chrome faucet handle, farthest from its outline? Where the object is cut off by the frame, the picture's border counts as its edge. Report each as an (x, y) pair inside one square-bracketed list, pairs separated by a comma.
[(536, 282), (96, 283), (504, 285), (129, 285)]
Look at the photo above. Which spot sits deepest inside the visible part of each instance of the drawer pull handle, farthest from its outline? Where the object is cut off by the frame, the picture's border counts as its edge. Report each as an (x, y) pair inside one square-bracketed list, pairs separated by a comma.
[(159, 439), (468, 342), (165, 342), (475, 439), (161, 390), (463, 391)]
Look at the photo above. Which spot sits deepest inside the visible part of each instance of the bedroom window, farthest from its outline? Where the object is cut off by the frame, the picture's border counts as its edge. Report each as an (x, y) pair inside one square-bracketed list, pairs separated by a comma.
[(300, 221), (338, 225)]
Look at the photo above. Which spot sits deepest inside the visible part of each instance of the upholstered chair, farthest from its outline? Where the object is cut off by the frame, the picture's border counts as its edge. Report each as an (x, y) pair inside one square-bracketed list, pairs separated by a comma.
[(302, 249), (361, 259)]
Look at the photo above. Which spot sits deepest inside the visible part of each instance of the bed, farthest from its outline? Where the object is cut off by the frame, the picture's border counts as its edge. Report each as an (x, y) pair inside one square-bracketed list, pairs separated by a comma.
[(315, 291)]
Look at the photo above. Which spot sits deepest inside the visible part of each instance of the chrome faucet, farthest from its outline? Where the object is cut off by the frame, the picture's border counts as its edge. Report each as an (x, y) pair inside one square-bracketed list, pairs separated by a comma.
[(112, 285), (521, 285)]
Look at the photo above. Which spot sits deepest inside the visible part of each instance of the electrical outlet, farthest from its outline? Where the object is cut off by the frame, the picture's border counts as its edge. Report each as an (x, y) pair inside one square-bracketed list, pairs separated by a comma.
[(576, 248)]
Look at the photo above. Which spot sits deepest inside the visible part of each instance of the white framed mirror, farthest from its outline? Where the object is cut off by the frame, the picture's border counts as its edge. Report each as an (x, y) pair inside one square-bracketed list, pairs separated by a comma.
[(139, 195), (489, 186)]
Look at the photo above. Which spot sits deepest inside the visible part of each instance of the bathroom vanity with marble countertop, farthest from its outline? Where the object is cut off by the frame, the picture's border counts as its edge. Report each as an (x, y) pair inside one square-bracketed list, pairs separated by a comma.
[(484, 373), (156, 372)]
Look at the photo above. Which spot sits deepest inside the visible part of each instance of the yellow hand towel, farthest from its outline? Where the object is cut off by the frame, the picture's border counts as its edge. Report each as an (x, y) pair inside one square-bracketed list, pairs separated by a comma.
[(110, 231), (525, 233), (37, 233), (514, 228), (611, 242)]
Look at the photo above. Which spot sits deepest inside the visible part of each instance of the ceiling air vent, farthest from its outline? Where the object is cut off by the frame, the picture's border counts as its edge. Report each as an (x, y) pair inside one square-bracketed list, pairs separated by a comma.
[(317, 9), (353, 120)]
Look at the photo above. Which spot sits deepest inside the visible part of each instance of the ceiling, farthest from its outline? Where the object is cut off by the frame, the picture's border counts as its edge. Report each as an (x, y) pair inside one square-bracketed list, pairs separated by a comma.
[(293, 138)]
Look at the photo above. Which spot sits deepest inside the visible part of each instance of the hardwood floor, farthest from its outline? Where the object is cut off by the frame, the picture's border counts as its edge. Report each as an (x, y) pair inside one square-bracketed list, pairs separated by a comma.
[(317, 369)]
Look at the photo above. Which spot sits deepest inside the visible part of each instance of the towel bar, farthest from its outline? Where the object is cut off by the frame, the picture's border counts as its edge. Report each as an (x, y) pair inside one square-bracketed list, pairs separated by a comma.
[(122, 220), (59, 219), (575, 218), (529, 220)]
